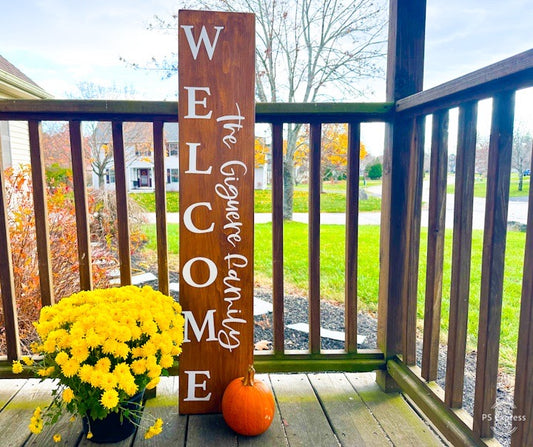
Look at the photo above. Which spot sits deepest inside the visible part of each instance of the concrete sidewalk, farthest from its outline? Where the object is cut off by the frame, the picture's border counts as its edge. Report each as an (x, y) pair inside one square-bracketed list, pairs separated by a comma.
[(517, 213)]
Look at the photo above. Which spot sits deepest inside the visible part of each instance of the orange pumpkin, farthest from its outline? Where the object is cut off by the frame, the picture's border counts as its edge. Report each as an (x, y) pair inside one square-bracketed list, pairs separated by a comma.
[(248, 405)]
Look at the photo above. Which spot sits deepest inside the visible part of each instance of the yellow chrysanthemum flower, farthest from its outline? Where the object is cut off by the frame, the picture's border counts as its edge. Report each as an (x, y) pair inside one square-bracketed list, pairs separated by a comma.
[(57, 437), (153, 383), (166, 361), (67, 395), (109, 399), (155, 429), (70, 367), (28, 361), (17, 367), (45, 372), (36, 422), (61, 358), (103, 365)]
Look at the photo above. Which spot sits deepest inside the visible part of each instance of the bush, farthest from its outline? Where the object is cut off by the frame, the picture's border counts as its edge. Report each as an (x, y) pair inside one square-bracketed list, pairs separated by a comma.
[(63, 246), (375, 171)]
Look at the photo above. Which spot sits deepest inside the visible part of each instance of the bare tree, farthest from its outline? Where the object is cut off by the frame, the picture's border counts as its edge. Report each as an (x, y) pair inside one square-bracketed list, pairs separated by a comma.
[(306, 50), (482, 155), (521, 158), (99, 146)]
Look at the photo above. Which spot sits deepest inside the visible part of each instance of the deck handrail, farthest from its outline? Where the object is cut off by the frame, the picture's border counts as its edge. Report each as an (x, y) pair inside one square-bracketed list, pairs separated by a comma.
[(513, 73), (167, 111)]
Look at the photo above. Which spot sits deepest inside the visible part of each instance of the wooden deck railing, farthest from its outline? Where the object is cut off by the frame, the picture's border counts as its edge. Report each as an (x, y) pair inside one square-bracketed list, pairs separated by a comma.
[(499, 82), (120, 112), (402, 207)]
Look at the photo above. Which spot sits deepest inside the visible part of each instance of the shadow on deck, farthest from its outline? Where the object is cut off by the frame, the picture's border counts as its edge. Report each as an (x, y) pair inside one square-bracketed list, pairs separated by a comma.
[(332, 409)]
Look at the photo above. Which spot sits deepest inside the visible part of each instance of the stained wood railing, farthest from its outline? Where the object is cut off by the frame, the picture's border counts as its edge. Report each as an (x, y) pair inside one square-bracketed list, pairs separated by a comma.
[(499, 82), (397, 330), (120, 112)]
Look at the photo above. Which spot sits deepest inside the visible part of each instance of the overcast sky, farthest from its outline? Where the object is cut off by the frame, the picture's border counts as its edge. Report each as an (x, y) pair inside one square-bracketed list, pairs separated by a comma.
[(59, 43)]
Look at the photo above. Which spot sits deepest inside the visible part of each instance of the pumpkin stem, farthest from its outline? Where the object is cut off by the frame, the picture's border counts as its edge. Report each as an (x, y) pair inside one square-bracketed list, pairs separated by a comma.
[(248, 379)]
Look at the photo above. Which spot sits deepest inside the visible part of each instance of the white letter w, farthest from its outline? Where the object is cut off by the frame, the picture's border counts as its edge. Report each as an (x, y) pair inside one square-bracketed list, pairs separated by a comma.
[(195, 47)]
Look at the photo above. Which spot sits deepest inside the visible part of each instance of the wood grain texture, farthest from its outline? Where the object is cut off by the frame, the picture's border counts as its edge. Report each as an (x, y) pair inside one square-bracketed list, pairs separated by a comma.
[(15, 417), (492, 268), (403, 427), (461, 254), (8, 389), (40, 205), (311, 410), (81, 206), (315, 139), (7, 283), (405, 62), (351, 236), (121, 194), (510, 74), (435, 252), (303, 417), (216, 137), (161, 208), (413, 222), (278, 321), (523, 393), (349, 416)]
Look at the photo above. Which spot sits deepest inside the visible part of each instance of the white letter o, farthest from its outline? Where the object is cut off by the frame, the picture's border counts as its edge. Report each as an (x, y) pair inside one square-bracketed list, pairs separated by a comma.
[(213, 271)]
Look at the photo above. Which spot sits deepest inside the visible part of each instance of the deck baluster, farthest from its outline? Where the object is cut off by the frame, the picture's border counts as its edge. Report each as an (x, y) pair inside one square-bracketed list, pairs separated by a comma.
[(41, 213), (497, 201), (277, 239), (435, 251), (160, 207), (461, 253), (7, 284), (122, 203), (81, 207), (314, 237), (352, 232)]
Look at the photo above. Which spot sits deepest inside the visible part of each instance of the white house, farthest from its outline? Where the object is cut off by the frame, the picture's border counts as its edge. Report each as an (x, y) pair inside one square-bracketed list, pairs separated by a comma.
[(140, 161), (14, 140), (139, 156)]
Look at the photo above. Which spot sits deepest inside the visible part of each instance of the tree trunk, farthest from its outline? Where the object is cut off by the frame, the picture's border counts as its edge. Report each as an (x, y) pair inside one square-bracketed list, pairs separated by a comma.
[(520, 181), (288, 169), (288, 187), (101, 181)]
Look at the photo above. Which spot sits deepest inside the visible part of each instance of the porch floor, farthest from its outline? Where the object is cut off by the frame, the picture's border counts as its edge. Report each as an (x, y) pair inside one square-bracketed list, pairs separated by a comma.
[(330, 409)]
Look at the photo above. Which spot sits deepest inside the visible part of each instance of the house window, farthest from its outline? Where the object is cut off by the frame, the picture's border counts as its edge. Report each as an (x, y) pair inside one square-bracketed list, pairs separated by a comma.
[(172, 149), (110, 176), (172, 175), (143, 150)]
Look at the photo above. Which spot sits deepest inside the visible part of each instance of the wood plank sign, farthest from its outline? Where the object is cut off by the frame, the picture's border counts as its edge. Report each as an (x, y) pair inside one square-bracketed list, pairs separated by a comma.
[(216, 155)]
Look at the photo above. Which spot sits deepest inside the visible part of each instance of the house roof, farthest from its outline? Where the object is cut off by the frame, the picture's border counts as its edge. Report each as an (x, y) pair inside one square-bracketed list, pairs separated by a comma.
[(15, 84)]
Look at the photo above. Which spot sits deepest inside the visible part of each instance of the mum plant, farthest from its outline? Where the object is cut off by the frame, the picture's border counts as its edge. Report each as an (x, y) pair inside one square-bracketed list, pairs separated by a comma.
[(104, 347)]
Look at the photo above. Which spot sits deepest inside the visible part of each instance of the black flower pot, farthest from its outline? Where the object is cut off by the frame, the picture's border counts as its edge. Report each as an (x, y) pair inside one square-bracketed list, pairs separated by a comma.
[(111, 429)]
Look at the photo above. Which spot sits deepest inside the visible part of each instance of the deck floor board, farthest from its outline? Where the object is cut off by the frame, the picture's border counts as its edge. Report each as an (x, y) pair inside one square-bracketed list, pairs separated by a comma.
[(334, 409)]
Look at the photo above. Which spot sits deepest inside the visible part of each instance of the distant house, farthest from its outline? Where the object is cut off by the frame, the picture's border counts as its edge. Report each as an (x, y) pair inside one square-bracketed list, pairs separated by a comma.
[(139, 157), (14, 140)]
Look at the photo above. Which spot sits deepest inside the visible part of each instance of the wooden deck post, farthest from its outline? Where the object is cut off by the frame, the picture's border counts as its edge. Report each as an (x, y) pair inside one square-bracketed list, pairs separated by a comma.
[(405, 65)]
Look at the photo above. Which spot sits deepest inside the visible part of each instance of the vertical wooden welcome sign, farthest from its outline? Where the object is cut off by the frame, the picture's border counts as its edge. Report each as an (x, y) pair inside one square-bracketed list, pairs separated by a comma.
[(216, 137)]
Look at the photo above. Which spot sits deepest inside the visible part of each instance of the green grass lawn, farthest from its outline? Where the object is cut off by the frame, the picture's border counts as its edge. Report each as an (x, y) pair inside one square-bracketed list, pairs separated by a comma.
[(480, 187), (333, 200), (332, 272)]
